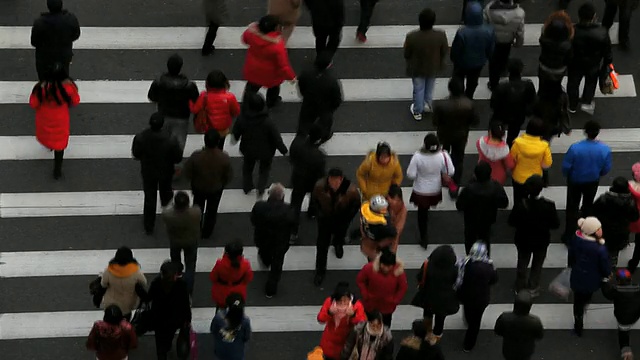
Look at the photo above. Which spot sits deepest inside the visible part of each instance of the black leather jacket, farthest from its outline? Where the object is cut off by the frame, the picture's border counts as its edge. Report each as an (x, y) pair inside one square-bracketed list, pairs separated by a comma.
[(172, 94), (591, 46)]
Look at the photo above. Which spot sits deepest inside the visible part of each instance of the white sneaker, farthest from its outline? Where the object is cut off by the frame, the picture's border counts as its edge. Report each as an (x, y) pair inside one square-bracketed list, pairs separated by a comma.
[(588, 108), (427, 108), (416, 117)]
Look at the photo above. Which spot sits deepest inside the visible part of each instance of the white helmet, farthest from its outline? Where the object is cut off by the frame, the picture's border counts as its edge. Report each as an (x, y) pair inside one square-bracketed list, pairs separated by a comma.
[(378, 203)]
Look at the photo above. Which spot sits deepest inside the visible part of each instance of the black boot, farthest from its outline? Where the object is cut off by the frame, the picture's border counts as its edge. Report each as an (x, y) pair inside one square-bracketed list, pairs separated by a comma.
[(578, 325), (318, 279)]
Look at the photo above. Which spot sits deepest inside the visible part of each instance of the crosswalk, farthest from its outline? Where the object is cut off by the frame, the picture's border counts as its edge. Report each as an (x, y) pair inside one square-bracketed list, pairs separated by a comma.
[(56, 236)]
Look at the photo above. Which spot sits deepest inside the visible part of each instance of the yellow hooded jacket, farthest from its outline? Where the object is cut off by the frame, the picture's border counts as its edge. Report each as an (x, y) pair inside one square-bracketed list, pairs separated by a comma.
[(375, 179), (531, 154)]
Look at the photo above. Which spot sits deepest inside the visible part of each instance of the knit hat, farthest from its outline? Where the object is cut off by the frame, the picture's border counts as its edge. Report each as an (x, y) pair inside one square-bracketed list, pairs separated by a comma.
[(589, 226), (635, 170)]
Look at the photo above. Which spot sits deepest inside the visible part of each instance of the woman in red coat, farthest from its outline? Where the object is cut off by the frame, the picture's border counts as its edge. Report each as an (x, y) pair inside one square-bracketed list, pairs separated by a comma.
[(340, 313), (267, 63), (51, 98), (231, 274), (383, 284), (219, 103)]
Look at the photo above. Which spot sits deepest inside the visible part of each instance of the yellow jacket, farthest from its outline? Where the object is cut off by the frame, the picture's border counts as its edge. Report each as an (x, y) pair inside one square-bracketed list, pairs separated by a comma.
[(531, 154), (375, 179)]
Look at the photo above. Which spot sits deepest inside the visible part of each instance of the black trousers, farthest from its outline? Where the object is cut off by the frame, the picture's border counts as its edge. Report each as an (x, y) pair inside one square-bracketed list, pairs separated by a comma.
[(297, 197), (264, 167), (471, 76), (610, 10), (423, 220), (272, 255), (44, 67), (366, 11), (164, 339), (190, 259), (576, 192), (536, 257), (331, 230), (455, 148), (151, 186), (58, 155), (635, 258), (477, 232), (327, 38), (519, 191), (212, 32), (438, 322), (273, 93), (221, 142), (208, 203), (513, 129), (623, 338), (574, 76), (498, 63), (473, 317), (580, 301)]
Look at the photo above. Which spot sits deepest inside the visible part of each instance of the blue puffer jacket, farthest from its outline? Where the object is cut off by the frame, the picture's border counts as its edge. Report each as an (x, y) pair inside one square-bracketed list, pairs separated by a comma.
[(474, 42), (589, 263)]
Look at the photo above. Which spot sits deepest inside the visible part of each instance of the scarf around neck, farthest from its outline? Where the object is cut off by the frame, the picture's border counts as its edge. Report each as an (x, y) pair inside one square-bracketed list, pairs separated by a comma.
[(370, 347), (479, 253)]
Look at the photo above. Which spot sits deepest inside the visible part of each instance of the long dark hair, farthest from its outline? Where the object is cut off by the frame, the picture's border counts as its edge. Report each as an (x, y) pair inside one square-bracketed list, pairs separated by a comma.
[(235, 310), (52, 86), (234, 251), (123, 256)]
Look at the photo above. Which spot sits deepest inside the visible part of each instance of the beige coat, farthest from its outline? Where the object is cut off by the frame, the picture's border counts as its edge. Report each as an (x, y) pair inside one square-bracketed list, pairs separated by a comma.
[(120, 282), (288, 11)]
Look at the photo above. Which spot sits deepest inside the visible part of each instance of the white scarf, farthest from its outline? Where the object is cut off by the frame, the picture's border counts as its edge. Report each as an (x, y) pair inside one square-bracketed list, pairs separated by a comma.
[(370, 348)]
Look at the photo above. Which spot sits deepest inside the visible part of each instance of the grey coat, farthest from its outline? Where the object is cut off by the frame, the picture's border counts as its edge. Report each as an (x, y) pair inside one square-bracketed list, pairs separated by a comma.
[(507, 21), (215, 11)]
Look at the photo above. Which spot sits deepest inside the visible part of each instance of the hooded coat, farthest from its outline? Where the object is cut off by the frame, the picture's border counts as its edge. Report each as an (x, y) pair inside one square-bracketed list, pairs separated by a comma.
[(555, 53), (626, 301), (173, 93), (480, 201), (438, 295), (497, 156), (120, 283), (346, 204), (474, 42), (221, 106), (616, 211), (519, 329), (52, 119), (308, 163), (321, 95), (112, 342), (335, 333), (267, 62), (259, 137), (225, 279), (507, 19), (531, 155), (157, 152), (382, 292), (534, 219), (375, 179), (589, 263), (512, 101), (53, 35)]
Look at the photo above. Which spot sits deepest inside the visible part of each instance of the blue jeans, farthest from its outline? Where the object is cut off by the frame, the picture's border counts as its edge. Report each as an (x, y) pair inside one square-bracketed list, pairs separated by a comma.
[(422, 93)]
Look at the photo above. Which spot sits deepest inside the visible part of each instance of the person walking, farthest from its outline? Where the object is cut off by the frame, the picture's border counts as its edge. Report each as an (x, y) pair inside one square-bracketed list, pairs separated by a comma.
[(493, 150), (172, 92), (259, 138), (337, 201), (591, 58), (425, 51), (589, 263), (555, 50), (625, 295), (272, 222), (51, 98), (472, 47), (231, 329), (383, 284), (158, 153), (209, 171), (340, 313), (170, 306), (634, 189), (552, 106), (327, 20), (420, 345), (366, 12), (532, 156), (183, 230), (507, 19), (479, 201), (427, 168), (267, 63), (288, 11), (231, 274), (617, 210), (378, 171), (369, 340), (476, 275), (512, 101), (321, 96), (453, 118), (123, 281), (112, 337), (53, 34), (216, 14), (519, 329), (436, 293), (583, 165), (376, 229), (533, 217), (219, 105), (398, 214), (308, 165), (626, 9)]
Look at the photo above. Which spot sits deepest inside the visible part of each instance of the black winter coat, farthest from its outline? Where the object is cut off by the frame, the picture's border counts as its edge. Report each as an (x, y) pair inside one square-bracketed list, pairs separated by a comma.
[(475, 290), (480, 202), (258, 135), (437, 295), (308, 163), (272, 221), (519, 330), (414, 348), (157, 152), (53, 35), (512, 101), (172, 94), (326, 13), (453, 118), (615, 212), (553, 109), (626, 301), (555, 55), (169, 309), (534, 219), (591, 47), (321, 96)]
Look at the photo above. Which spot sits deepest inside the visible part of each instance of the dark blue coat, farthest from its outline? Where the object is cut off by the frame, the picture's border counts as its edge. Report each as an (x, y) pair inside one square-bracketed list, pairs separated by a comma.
[(474, 42), (589, 263)]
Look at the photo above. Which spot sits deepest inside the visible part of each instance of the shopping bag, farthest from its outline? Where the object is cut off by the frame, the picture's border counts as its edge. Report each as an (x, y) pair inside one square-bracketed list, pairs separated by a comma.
[(447, 181), (201, 120), (609, 80), (561, 285), (183, 344), (141, 320), (193, 341)]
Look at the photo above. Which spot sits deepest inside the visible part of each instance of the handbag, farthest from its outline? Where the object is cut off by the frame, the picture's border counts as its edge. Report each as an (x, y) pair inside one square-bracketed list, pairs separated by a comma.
[(201, 120), (193, 341), (561, 285), (141, 320), (447, 181), (97, 291), (417, 300), (183, 344), (609, 80)]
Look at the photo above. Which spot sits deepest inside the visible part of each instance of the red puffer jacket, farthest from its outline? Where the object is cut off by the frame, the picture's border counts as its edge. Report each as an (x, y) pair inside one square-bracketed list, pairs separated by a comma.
[(226, 279), (221, 106), (267, 63), (382, 292), (335, 335), (52, 119)]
